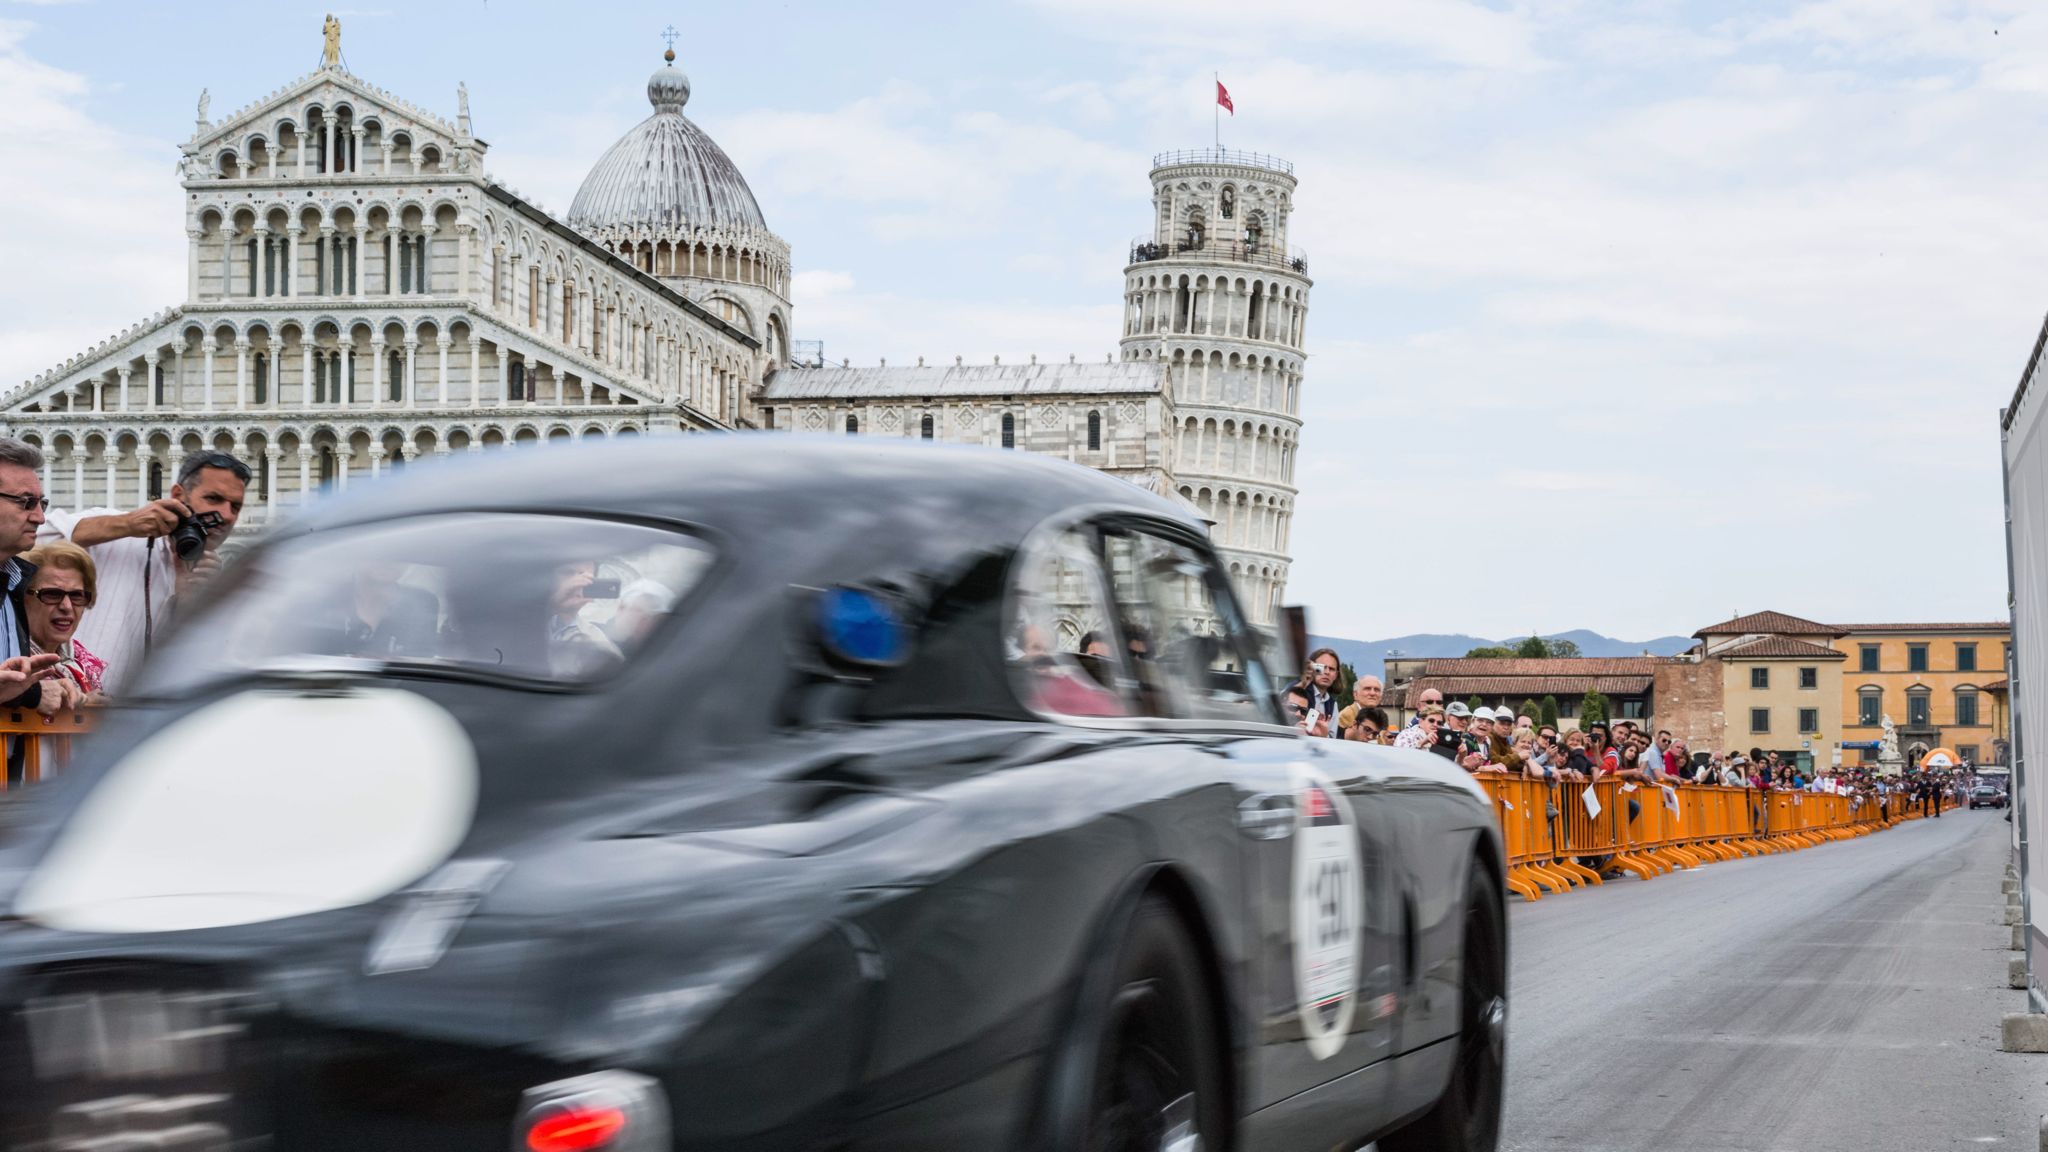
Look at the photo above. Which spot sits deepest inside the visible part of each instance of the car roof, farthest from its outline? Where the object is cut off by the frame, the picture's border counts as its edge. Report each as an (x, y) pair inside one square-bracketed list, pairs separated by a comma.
[(739, 482)]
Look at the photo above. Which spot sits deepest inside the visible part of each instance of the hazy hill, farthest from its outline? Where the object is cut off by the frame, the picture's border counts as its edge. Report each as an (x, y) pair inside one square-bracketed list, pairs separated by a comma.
[(1371, 655)]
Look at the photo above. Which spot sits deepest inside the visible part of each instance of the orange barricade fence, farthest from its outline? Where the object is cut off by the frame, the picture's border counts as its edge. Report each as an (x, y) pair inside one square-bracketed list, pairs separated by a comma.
[(40, 745), (1558, 840)]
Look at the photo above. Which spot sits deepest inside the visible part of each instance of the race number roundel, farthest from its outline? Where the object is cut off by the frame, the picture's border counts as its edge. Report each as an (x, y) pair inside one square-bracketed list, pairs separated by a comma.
[(1328, 895)]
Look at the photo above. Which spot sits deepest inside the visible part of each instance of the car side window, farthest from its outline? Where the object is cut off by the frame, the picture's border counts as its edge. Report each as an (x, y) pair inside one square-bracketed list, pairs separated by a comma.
[(1192, 654), (1061, 647)]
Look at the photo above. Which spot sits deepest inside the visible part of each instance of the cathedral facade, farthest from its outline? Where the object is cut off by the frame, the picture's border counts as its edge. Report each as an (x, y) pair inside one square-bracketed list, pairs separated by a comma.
[(361, 293)]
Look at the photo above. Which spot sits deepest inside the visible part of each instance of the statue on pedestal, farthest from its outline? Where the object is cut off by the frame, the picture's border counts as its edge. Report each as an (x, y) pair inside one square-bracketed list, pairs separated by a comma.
[(1889, 761), (330, 33)]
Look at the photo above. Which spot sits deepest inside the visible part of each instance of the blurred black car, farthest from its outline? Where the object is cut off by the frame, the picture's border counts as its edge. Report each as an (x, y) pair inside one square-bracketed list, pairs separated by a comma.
[(1987, 796), (743, 793)]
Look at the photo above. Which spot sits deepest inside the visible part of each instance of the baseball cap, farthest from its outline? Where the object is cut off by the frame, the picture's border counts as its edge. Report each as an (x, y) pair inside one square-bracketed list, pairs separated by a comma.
[(1484, 713), (1457, 708)]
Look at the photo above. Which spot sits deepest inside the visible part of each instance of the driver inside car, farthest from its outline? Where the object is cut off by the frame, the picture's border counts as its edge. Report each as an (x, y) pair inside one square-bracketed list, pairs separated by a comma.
[(575, 645)]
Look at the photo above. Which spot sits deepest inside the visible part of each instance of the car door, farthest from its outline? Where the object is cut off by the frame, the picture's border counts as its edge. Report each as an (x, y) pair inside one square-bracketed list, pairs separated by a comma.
[(1317, 884)]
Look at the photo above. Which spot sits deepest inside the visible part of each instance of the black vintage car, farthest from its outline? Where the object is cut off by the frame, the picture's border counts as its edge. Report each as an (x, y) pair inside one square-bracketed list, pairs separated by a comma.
[(742, 793)]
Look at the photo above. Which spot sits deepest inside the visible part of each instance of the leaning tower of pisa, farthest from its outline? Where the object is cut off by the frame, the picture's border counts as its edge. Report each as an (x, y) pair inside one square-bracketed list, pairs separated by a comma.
[(1216, 292)]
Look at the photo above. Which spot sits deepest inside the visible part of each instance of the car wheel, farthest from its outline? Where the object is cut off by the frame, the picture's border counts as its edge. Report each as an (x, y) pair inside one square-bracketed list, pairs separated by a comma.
[(1157, 1076), (1466, 1118)]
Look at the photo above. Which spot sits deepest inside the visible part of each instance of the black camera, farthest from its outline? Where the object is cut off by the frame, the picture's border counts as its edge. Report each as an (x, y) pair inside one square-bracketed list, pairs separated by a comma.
[(188, 539)]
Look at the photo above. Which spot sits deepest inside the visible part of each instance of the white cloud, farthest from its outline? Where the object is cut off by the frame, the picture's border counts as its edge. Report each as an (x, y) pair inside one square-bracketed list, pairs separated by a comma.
[(1446, 31), (93, 232)]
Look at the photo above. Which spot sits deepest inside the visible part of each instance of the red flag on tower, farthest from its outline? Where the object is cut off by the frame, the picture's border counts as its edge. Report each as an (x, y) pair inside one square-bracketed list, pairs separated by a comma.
[(1223, 98)]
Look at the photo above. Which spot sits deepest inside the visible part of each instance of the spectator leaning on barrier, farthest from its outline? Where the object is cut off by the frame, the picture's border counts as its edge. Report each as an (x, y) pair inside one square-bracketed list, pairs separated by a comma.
[(21, 514), (140, 576), (1423, 732), (1480, 725), (58, 595)]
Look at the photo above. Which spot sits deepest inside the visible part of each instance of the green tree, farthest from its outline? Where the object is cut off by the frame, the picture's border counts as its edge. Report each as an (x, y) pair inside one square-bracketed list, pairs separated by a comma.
[(1474, 703), (1490, 652), (1532, 648), (1592, 709), (1548, 715), (1530, 710), (1346, 677), (1563, 649)]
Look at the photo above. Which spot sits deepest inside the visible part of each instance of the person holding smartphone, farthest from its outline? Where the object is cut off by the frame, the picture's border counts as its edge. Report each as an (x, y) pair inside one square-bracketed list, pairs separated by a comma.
[(1301, 711)]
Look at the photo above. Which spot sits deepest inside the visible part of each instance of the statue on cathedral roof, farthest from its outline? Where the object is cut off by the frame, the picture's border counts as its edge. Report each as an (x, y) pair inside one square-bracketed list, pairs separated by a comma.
[(330, 32)]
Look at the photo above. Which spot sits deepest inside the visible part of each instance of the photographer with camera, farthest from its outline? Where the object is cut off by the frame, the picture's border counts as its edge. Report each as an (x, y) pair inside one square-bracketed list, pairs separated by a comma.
[(151, 557)]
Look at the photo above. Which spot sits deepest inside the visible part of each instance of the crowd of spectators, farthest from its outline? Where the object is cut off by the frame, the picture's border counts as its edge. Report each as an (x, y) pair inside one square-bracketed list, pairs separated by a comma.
[(1500, 742), (88, 590)]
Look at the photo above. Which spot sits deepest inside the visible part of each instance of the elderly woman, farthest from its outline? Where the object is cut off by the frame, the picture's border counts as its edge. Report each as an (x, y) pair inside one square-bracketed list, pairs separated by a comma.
[(57, 596)]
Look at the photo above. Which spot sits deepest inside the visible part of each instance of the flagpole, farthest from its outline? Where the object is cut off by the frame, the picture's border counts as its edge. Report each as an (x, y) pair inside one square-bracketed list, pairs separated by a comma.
[(1216, 109)]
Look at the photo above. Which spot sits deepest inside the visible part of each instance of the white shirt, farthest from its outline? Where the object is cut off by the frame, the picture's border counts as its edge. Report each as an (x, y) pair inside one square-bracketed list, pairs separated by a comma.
[(113, 627)]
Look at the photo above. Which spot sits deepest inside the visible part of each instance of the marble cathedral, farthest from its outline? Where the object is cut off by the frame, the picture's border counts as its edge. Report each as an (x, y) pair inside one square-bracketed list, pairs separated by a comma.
[(361, 293)]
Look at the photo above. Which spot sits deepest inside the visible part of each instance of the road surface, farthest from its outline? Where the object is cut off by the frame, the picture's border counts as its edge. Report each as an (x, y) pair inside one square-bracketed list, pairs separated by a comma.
[(1843, 997)]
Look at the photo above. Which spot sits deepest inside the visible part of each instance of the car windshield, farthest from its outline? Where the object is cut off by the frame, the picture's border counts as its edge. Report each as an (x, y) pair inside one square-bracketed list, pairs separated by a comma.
[(564, 599)]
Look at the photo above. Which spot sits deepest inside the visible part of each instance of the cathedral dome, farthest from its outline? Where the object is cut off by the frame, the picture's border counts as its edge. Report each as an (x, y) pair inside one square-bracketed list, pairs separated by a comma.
[(666, 174)]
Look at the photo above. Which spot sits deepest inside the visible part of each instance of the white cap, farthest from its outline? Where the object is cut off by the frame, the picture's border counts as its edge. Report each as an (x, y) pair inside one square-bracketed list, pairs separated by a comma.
[(1485, 713)]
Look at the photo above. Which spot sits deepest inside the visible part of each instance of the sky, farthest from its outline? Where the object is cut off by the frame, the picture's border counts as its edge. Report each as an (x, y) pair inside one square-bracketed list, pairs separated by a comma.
[(1630, 316)]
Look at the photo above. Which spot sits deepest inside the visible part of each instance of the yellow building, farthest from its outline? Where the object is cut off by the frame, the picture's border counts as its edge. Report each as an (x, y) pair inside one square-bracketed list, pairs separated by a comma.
[(1941, 684), (1780, 688)]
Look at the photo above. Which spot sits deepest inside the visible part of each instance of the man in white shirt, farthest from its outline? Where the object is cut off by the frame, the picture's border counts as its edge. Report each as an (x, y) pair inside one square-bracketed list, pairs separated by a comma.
[(140, 575)]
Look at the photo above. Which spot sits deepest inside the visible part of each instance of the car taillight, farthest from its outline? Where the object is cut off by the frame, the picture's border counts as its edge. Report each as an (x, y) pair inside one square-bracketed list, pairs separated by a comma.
[(602, 1112), (575, 1130)]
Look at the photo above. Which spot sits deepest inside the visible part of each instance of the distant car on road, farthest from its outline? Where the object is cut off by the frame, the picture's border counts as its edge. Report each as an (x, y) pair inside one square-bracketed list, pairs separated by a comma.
[(714, 793), (1987, 796)]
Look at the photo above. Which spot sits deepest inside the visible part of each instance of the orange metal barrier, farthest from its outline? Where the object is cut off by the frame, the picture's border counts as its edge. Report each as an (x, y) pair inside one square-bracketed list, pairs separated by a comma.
[(1556, 842), (45, 740)]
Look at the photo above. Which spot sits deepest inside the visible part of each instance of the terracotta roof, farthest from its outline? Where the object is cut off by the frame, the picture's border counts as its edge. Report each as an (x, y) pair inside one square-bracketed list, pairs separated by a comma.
[(1781, 647), (1554, 666), (1994, 626), (1455, 687), (2000, 685), (1768, 623)]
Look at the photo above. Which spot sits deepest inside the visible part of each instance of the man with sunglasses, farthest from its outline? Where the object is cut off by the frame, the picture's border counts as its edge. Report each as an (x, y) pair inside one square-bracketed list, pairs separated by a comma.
[(21, 514), (140, 578)]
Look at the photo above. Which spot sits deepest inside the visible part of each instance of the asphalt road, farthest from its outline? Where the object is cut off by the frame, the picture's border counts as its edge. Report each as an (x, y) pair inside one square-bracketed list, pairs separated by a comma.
[(1843, 997)]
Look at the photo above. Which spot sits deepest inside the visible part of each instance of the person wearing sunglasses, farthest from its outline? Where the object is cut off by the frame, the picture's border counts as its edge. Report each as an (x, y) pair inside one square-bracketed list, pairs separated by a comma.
[(1301, 712), (58, 595), (140, 574), (1423, 733), (21, 516)]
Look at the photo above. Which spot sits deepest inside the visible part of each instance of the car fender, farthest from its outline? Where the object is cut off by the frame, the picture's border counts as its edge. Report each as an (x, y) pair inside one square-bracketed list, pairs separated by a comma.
[(1067, 1070)]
